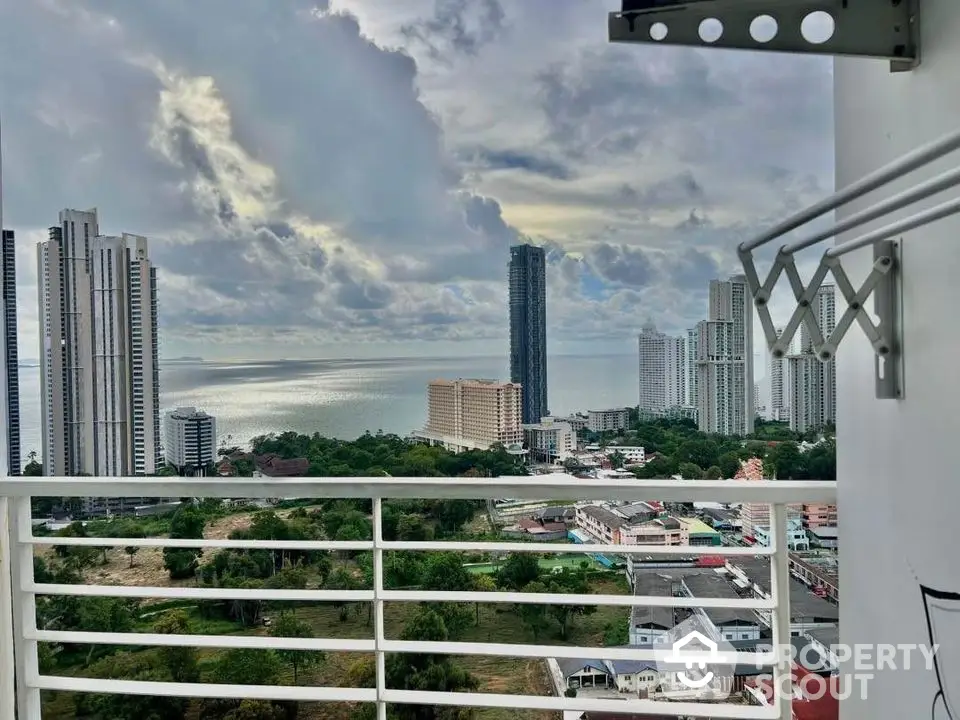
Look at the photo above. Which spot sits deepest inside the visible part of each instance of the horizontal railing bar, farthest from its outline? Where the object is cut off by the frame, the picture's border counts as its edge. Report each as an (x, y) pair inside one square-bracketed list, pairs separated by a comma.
[(257, 642), (937, 212), (868, 183), (411, 546), (409, 697), (280, 595), (521, 546), (583, 704), (204, 690), (160, 542), (935, 185), (576, 599), (198, 593), (557, 485), (262, 642), (558, 651)]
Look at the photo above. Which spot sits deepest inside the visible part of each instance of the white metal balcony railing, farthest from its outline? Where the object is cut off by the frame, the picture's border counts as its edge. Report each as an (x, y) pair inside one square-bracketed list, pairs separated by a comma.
[(19, 634)]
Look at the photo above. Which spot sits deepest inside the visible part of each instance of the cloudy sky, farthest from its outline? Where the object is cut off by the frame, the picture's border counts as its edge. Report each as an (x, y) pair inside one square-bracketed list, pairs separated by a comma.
[(333, 180)]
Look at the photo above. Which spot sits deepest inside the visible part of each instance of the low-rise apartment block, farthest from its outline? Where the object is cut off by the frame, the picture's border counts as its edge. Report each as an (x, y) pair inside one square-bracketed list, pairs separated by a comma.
[(641, 524), (613, 420), (548, 441), (577, 422), (817, 516), (472, 414)]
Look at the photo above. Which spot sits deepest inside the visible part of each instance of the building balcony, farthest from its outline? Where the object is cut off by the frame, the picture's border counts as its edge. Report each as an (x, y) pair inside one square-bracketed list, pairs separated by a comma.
[(23, 689)]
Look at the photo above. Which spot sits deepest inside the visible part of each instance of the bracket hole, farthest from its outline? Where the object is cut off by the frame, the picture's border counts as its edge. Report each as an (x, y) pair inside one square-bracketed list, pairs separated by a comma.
[(777, 353), (825, 355), (658, 31), (711, 30), (854, 306), (764, 28), (818, 27), (883, 350)]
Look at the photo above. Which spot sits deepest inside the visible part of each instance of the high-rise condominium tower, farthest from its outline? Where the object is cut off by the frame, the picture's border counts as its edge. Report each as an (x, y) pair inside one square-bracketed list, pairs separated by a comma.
[(528, 328), (10, 387), (8, 253), (725, 360), (812, 385), (778, 395), (98, 351), (663, 370), (692, 376)]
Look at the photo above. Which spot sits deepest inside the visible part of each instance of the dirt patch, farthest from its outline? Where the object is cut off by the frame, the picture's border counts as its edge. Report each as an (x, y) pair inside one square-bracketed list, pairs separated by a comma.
[(147, 570), (148, 567), (221, 528)]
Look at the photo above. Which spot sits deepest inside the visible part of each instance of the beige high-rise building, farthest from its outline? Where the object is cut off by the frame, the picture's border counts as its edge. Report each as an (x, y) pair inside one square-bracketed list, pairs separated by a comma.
[(473, 414)]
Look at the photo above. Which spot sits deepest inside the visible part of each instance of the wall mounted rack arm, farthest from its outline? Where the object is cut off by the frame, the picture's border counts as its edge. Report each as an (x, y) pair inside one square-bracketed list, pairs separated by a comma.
[(886, 29), (882, 282)]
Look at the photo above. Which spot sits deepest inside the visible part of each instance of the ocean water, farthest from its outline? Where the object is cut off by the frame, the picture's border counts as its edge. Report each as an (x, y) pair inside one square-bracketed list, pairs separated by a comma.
[(345, 398)]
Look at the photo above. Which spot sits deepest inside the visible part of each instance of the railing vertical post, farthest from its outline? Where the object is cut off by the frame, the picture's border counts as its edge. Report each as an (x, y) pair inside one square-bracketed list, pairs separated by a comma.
[(378, 607), (780, 589), (24, 614), (8, 698)]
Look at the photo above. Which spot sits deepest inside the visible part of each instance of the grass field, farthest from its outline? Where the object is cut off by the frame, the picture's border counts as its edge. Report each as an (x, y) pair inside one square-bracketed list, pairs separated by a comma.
[(566, 561), (498, 624)]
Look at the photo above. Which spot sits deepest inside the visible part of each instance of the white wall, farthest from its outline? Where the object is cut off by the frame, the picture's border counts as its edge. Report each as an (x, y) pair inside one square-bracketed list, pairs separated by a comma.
[(897, 460)]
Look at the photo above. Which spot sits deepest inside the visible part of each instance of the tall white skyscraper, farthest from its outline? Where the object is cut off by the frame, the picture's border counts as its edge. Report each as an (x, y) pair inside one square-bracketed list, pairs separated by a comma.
[(663, 370), (725, 399), (692, 377), (98, 349), (811, 384), (778, 401), (66, 351)]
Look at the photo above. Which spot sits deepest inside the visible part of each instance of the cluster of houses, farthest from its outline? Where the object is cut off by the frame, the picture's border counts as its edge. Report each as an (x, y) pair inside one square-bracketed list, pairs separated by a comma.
[(814, 632)]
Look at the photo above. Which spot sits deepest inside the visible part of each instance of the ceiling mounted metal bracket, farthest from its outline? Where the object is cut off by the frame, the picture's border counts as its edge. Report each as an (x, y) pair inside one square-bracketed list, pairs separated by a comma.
[(884, 29)]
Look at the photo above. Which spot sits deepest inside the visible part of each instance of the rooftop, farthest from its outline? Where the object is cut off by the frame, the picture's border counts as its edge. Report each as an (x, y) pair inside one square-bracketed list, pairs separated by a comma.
[(602, 515), (694, 525), (826, 532), (708, 584)]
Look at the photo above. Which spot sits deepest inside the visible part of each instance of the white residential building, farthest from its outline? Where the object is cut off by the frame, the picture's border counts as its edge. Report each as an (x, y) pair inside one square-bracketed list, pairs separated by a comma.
[(189, 438), (66, 367), (98, 351), (663, 370), (725, 401), (604, 420), (691, 367), (548, 441), (812, 384), (779, 404)]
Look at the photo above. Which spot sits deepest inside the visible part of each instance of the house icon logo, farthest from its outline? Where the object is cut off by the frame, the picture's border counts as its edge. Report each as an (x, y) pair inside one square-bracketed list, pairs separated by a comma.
[(699, 659), (696, 663)]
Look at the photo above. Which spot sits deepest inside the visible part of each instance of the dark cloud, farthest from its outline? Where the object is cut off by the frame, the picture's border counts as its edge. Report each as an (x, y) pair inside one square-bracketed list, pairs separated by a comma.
[(489, 159), (621, 264), (457, 26), (359, 293), (611, 99)]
